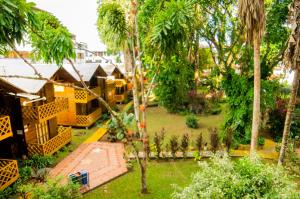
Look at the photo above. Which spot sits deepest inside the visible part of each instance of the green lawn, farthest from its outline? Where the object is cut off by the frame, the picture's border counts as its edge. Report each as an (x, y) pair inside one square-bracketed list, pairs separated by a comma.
[(161, 178), (78, 137), (174, 124)]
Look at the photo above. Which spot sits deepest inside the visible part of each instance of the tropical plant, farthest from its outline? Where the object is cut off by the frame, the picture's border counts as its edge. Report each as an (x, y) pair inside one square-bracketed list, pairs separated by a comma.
[(252, 15), (17, 16)]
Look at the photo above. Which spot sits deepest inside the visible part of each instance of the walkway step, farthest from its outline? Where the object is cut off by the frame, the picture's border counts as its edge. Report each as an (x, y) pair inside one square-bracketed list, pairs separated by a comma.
[(96, 136)]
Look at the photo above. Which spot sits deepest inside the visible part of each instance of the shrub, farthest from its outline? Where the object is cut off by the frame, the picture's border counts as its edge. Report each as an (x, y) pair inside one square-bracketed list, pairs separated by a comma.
[(214, 139), (52, 189), (261, 141), (174, 146), (192, 121), (223, 178), (199, 142), (185, 140), (39, 162), (158, 142)]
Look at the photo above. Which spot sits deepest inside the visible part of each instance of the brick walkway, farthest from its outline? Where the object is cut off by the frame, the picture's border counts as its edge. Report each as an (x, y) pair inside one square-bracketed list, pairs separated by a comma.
[(104, 162)]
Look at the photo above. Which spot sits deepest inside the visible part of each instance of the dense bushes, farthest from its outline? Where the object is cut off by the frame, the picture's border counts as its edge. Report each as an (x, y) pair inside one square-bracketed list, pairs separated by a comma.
[(277, 120), (51, 189), (223, 178), (239, 92), (174, 82)]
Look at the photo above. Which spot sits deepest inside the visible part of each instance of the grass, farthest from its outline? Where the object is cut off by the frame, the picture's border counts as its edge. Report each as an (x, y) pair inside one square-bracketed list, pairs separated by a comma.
[(174, 124), (78, 137), (160, 176)]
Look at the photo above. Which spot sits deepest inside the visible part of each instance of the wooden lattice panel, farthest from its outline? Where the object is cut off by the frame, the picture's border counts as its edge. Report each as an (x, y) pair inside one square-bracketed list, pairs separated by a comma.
[(45, 112), (8, 173), (120, 98), (29, 113), (63, 137), (50, 110), (88, 120), (5, 128), (82, 96)]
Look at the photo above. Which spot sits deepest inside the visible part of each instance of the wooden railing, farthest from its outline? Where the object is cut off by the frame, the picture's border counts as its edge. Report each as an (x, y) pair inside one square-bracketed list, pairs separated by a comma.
[(120, 83), (8, 172), (5, 128), (63, 137), (45, 112), (120, 98), (88, 120), (82, 96)]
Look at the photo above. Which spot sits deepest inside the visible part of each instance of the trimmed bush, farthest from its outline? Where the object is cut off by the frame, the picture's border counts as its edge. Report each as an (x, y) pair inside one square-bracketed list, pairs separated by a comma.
[(192, 121)]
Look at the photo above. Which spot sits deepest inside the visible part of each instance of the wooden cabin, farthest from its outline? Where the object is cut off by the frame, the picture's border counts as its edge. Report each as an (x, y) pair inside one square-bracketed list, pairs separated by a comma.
[(33, 108), (120, 81), (84, 108)]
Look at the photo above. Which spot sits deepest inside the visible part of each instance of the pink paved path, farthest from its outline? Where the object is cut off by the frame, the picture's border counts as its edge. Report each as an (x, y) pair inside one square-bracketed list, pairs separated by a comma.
[(104, 162)]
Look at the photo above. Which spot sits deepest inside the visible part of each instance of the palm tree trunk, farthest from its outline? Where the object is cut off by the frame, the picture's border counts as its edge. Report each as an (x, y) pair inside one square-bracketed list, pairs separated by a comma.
[(288, 117), (256, 100)]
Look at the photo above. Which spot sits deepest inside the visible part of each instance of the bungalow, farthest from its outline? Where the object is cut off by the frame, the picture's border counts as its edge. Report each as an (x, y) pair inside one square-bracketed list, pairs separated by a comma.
[(120, 81), (84, 108), (33, 109)]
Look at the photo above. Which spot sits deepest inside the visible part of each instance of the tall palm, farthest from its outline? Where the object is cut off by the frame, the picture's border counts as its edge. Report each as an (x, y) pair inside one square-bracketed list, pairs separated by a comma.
[(252, 13), (292, 61)]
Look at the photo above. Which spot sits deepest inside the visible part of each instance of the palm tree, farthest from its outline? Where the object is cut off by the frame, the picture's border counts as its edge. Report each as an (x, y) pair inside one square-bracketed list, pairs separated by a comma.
[(292, 61), (252, 13)]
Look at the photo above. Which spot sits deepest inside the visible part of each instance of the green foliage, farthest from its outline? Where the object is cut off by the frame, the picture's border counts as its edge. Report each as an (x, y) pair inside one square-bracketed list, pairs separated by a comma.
[(277, 119), (52, 189), (16, 16), (223, 178), (261, 141), (192, 121), (51, 41), (39, 162), (25, 173), (174, 146), (171, 26), (173, 83), (275, 37), (184, 145), (115, 131), (239, 91), (112, 26)]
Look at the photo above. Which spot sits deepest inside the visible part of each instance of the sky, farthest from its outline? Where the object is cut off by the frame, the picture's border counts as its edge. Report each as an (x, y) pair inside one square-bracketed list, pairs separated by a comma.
[(79, 16)]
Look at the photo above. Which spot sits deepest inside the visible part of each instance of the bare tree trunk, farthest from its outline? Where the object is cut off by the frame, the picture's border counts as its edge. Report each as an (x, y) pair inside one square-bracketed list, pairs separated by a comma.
[(256, 100), (288, 117)]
